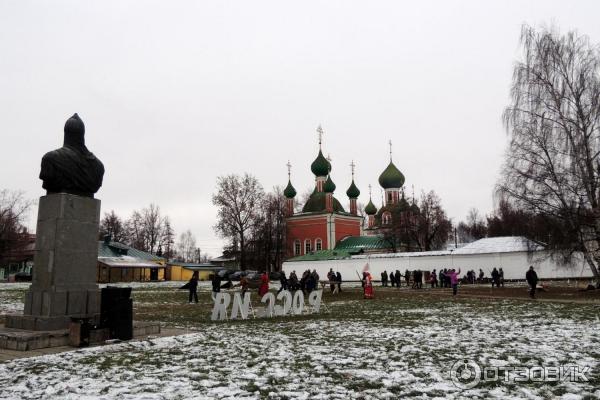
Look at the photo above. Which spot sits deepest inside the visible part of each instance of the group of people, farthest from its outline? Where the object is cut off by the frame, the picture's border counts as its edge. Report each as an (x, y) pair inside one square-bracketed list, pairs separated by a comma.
[(395, 278), (445, 278)]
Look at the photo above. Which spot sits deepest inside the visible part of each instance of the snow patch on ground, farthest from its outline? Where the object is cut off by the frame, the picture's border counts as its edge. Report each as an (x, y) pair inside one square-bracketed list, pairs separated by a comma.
[(361, 349)]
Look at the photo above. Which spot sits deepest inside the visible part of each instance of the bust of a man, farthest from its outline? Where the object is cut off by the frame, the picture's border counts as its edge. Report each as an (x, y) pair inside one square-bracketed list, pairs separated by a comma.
[(72, 168)]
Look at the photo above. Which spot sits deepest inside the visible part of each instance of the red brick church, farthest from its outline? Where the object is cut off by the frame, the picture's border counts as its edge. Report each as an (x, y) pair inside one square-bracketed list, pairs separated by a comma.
[(324, 224)]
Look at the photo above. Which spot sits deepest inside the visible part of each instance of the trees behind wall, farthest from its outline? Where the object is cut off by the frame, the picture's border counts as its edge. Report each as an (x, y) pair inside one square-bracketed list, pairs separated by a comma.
[(146, 229), (552, 166), (253, 221), (423, 226)]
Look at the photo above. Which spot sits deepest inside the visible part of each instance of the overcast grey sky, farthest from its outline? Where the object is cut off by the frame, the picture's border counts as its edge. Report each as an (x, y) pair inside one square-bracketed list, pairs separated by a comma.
[(176, 93)]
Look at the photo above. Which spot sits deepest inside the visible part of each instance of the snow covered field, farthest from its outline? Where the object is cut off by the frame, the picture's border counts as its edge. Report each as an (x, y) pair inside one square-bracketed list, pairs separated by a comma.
[(11, 297), (387, 348)]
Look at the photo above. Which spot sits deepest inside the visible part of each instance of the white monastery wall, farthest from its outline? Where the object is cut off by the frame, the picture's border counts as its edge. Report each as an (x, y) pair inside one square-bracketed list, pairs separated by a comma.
[(514, 264)]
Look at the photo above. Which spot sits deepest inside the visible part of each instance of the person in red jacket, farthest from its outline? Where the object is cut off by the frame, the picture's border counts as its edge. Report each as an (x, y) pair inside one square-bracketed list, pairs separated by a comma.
[(264, 284), (368, 285)]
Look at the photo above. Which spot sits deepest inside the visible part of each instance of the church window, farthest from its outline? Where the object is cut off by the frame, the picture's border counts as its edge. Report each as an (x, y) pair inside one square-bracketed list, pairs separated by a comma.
[(306, 246), (318, 244), (297, 247), (386, 218)]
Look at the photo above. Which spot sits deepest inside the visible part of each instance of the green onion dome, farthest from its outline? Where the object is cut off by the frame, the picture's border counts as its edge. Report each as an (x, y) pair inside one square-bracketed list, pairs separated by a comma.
[(353, 191), (316, 203), (329, 186), (391, 178), (320, 167), (370, 209), (289, 191)]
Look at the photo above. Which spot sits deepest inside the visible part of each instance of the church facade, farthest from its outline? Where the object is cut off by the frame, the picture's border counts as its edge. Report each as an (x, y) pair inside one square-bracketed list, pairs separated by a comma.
[(323, 223)]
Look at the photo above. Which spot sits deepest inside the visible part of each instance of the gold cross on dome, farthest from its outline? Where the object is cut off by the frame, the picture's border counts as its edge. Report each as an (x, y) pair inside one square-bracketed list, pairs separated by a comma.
[(320, 132), (390, 149), (289, 167), (352, 165)]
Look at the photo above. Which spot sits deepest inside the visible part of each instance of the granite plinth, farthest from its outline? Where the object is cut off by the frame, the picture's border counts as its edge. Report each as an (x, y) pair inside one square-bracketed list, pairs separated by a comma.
[(65, 264)]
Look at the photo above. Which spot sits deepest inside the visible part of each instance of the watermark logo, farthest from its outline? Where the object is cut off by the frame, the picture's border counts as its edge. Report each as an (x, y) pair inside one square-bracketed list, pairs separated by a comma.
[(467, 374)]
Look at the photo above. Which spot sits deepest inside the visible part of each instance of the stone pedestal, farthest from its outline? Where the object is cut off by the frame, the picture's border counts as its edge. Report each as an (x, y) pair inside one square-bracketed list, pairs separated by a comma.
[(65, 264)]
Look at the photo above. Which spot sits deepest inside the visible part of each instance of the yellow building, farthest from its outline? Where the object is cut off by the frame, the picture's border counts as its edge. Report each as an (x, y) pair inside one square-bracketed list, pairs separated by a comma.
[(180, 271)]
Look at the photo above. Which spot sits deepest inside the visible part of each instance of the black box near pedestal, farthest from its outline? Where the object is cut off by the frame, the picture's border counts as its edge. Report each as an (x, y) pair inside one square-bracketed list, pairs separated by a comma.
[(116, 312)]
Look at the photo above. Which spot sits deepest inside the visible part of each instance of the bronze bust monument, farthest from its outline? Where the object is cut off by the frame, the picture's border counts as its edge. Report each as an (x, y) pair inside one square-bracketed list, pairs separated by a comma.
[(72, 168)]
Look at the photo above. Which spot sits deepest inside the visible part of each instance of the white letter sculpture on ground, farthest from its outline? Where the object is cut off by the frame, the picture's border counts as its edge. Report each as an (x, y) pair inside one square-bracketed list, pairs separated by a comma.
[(240, 306), (222, 301)]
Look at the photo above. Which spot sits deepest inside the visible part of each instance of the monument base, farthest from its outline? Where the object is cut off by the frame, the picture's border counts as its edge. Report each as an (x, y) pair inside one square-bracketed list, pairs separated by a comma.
[(27, 340), (65, 264)]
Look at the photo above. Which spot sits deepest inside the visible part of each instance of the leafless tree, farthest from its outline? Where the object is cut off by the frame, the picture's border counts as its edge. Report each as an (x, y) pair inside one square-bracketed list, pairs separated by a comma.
[(147, 230), (14, 208), (167, 240), (186, 247), (552, 166), (423, 226), (432, 225), (237, 199), (474, 228), (152, 225), (301, 199), (112, 225), (268, 234)]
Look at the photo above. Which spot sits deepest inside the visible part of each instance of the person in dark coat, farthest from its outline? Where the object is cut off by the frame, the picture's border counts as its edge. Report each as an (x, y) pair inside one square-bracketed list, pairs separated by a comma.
[(501, 277), (392, 279), (331, 279), (216, 285), (316, 278), (283, 281), (434, 280), (384, 278), (532, 280), (193, 288), (310, 283), (407, 277), (495, 278), (338, 277), (293, 282)]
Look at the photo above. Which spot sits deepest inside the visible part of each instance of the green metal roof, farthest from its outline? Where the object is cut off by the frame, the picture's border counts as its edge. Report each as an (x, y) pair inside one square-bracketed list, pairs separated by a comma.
[(323, 255), (316, 203), (115, 249), (354, 244)]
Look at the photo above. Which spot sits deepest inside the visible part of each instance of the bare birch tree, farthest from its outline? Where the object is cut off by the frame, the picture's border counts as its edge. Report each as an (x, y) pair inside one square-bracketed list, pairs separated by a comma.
[(552, 166)]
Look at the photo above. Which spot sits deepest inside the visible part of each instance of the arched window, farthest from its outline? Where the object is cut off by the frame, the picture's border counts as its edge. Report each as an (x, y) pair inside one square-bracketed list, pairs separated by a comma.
[(386, 218), (318, 244), (307, 246), (297, 247)]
